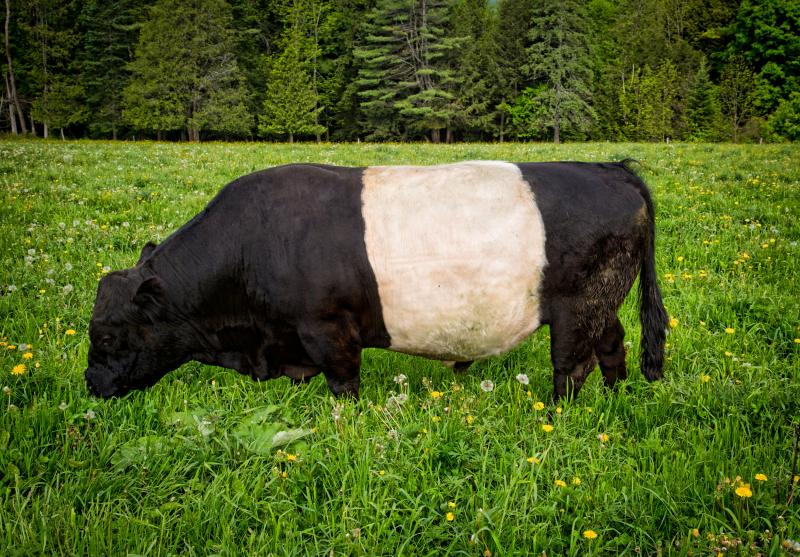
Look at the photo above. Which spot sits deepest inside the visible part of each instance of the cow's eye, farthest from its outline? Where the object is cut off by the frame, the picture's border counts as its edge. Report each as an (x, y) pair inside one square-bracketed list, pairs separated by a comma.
[(107, 341)]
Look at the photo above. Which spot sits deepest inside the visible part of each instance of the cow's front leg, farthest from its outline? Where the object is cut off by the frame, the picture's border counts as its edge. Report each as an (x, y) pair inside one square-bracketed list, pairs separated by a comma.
[(335, 347)]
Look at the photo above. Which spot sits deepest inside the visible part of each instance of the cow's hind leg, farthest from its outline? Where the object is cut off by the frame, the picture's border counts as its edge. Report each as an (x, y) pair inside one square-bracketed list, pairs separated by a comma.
[(572, 354), (610, 350), (335, 348)]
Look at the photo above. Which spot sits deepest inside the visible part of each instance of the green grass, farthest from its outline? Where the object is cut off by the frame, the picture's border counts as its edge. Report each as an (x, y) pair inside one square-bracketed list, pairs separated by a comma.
[(189, 467)]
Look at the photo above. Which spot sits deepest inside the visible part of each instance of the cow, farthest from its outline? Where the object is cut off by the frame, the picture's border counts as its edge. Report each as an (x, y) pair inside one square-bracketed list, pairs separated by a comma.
[(293, 270)]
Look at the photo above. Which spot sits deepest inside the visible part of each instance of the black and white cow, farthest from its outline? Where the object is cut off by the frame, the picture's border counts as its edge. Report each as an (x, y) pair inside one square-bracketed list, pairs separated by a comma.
[(293, 270)]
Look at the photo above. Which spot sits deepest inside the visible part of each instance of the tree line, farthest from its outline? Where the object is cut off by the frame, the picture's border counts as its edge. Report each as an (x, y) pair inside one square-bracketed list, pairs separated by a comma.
[(409, 70)]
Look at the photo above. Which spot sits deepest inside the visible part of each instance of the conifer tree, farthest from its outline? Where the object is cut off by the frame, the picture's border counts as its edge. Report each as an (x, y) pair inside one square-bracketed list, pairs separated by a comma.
[(291, 103), (185, 75), (703, 108), (558, 58), (408, 76)]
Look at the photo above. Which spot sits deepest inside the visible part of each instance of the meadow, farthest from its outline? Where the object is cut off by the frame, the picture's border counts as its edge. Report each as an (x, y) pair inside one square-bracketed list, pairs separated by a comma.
[(427, 462)]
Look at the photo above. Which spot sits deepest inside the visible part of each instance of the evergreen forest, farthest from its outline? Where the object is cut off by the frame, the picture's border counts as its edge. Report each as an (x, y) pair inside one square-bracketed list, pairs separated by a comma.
[(402, 70)]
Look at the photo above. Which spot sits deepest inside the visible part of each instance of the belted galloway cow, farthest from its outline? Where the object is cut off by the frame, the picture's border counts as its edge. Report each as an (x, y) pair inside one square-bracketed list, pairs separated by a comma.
[(294, 270)]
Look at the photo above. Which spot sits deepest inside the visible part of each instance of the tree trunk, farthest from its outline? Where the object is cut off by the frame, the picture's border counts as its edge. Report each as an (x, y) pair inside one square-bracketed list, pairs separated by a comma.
[(114, 132), (291, 137), (46, 134), (11, 117), (435, 138), (158, 135), (62, 134), (11, 83), (449, 135), (33, 124)]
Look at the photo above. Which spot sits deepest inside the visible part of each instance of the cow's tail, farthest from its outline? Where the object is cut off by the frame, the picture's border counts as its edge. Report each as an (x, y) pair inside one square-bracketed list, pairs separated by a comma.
[(652, 314)]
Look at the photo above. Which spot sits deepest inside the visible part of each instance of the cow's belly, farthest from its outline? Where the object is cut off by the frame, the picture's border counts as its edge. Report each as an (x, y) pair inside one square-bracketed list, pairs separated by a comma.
[(458, 252)]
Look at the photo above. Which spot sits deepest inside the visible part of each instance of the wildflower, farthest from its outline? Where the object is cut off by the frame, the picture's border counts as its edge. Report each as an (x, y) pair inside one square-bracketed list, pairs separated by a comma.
[(487, 386), (589, 534), (284, 474), (67, 288), (7, 390), (538, 405), (603, 437), (730, 330), (558, 410), (523, 379), (695, 532), (68, 266), (797, 341), (291, 457), (450, 517), (451, 505), (23, 347), (436, 419), (69, 332), (487, 552), (470, 419), (400, 379), (705, 378), (27, 356), (560, 483), (761, 477), (62, 406), (435, 394), (673, 323), (533, 460), (90, 415), (744, 491), (11, 347), (382, 473), (18, 369), (576, 481), (547, 428), (728, 353)]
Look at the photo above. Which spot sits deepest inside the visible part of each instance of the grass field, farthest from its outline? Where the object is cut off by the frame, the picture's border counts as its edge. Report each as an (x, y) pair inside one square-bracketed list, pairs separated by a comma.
[(698, 464)]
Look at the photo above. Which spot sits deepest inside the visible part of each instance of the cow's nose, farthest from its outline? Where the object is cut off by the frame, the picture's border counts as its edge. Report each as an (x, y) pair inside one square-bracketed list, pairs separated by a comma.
[(93, 382)]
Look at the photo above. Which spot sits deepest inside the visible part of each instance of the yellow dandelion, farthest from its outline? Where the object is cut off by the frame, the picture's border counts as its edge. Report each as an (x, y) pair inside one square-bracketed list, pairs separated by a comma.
[(730, 330), (589, 534), (435, 419), (761, 477), (470, 419), (547, 428), (533, 460), (560, 483), (18, 369), (558, 410), (744, 491), (603, 437), (382, 473), (436, 394), (487, 552), (538, 405), (695, 532), (69, 332), (797, 341), (11, 347), (673, 323), (27, 356), (705, 378), (450, 517), (576, 481), (291, 457), (284, 474), (451, 505)]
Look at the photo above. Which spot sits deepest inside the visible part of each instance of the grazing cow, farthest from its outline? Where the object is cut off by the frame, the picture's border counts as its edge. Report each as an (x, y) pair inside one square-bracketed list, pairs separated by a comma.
[(293, 270)]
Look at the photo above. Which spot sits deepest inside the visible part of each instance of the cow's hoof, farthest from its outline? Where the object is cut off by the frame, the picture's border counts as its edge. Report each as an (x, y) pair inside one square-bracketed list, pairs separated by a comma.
[(653, 374)]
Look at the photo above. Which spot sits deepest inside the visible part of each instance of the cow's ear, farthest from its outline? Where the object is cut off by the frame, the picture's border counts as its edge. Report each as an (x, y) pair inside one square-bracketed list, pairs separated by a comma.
[(146, 251), (149, 293)]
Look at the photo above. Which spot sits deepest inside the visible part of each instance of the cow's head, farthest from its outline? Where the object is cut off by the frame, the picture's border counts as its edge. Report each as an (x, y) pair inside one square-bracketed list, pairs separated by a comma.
[(135, 337)]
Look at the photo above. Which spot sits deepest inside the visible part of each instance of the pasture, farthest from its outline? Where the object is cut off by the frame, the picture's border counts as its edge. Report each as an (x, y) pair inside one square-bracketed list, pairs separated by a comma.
[(208, 462)]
